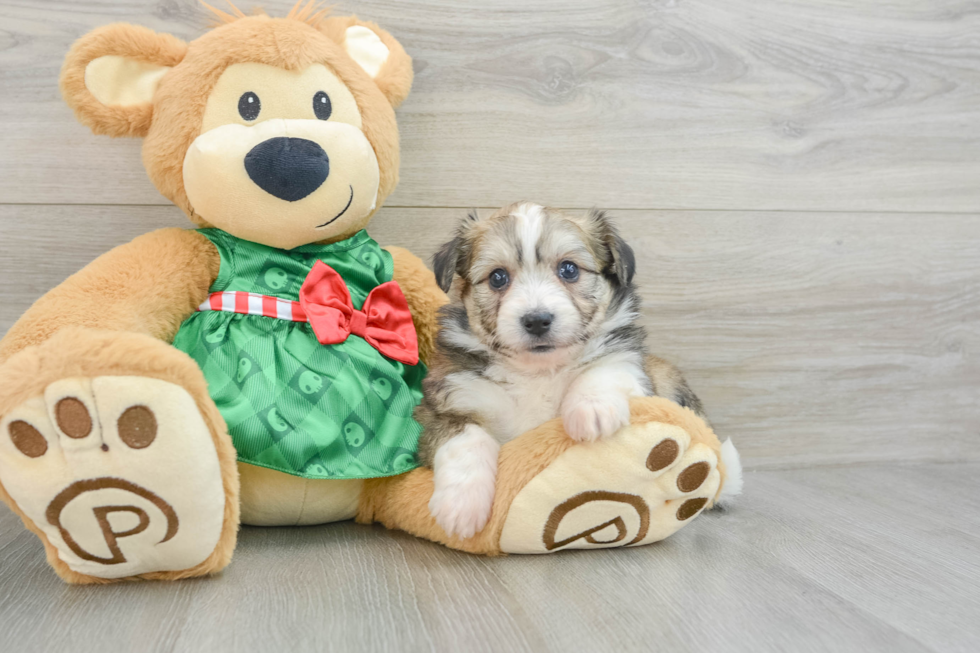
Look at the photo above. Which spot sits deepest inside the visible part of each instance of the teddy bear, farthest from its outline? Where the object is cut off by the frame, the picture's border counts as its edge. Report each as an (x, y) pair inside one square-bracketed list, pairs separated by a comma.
[(263, 368)]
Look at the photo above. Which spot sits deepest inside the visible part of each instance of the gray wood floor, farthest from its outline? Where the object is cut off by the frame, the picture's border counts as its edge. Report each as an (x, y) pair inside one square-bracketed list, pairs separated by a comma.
[(865, 558), (801, 181)]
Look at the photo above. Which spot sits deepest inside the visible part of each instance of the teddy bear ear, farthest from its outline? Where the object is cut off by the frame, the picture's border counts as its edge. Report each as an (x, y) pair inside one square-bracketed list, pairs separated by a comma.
[(376, 52), (110, 75)]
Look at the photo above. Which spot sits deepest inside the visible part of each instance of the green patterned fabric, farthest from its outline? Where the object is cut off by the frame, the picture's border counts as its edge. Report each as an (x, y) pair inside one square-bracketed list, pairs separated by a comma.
[(291, 404)]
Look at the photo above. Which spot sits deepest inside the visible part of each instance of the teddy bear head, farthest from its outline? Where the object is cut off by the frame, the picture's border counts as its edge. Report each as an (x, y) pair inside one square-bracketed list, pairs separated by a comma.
[(279, 131)]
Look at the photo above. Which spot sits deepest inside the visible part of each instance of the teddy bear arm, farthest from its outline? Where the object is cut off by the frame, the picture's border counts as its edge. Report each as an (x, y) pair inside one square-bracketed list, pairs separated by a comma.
[(424, 296), (149, 285)]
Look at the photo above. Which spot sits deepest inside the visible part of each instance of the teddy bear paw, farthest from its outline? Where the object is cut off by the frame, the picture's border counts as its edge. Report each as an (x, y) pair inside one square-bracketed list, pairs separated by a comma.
[(119, 473), (639, 485)]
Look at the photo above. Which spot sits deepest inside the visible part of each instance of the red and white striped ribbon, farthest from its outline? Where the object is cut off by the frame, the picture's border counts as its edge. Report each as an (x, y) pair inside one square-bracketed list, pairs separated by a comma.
[(248, 303)]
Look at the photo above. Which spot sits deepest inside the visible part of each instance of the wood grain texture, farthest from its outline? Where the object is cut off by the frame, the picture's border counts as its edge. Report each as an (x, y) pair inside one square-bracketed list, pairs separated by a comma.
[(812, 338), (866, 558), (791, 104)]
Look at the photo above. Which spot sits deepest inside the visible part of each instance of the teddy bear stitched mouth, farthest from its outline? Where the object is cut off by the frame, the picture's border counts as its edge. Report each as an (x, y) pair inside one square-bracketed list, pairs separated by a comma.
[(336, 217), (287, 168)]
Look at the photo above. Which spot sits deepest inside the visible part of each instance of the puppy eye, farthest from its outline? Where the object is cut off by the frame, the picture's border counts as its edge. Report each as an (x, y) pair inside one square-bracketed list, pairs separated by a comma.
[(568, 271), (249, 106), (322, 106), (498, 278)]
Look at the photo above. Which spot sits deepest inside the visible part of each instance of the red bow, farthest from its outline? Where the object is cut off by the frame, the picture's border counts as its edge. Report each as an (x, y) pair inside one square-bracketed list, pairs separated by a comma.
[(384, 321)]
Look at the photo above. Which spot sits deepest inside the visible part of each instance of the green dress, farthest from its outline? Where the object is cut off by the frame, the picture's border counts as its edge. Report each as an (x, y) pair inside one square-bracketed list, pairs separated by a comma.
[(291, 404)]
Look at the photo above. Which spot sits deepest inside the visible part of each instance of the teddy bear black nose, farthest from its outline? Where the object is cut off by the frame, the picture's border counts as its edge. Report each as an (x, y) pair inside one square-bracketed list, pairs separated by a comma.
[(288, 168)]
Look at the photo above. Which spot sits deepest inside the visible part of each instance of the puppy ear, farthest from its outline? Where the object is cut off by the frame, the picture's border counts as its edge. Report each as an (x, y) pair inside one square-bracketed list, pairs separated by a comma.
[(110, 75), (445, 261), (622, 260), (376, 52), (451, 257)]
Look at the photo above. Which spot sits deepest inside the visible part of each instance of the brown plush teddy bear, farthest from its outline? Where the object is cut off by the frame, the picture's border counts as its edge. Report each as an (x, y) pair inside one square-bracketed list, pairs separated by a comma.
[(263, 369)]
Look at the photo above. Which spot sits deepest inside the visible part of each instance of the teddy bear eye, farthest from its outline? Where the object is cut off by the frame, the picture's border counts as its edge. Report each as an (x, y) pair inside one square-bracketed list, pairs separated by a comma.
[(322, 106), (249, 106)]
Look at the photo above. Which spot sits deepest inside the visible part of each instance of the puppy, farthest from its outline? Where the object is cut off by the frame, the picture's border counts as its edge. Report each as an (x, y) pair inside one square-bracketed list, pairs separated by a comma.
[(544, 324)]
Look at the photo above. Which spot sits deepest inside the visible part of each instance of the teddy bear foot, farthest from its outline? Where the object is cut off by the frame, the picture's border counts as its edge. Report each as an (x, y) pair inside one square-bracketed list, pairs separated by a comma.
[(118, 475), (638, 486)]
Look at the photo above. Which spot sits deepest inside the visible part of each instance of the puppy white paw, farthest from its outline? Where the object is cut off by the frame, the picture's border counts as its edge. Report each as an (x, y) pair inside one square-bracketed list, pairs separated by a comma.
[(465, 478), (588, 417), (462, 510)]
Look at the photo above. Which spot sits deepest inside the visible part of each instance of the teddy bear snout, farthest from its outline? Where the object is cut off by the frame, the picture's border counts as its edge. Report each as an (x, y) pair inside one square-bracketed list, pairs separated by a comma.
[(287, 168)]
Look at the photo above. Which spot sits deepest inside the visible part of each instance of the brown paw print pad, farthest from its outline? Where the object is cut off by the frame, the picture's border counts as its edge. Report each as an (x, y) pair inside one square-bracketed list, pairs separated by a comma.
[(27, 439), (693, 476), (690, 479), (662, 455), (687, 481), (690, 508), (73, 418), (137, 427)]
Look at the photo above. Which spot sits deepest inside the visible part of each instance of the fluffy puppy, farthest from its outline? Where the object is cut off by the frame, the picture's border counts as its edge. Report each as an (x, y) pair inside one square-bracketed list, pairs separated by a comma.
[(543, 324)]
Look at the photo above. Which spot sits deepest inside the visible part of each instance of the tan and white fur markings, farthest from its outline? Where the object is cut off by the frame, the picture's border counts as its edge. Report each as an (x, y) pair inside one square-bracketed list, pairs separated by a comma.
[(543, 324)]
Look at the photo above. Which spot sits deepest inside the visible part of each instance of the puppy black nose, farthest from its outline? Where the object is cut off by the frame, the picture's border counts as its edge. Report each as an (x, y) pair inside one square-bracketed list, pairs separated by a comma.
[(537, 324), (288, 168)]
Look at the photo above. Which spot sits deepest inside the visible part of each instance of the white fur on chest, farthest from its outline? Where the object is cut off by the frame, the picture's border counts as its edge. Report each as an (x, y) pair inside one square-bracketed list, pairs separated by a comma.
[(508, 402), (531, 400)]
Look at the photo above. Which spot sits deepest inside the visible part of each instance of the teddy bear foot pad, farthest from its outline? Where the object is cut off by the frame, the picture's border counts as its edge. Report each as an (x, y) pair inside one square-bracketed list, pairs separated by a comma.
[(638, 486), (119, 473)]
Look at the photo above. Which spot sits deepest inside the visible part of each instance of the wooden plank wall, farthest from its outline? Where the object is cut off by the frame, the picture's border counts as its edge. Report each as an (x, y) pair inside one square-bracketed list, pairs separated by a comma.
[(800, 179)]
